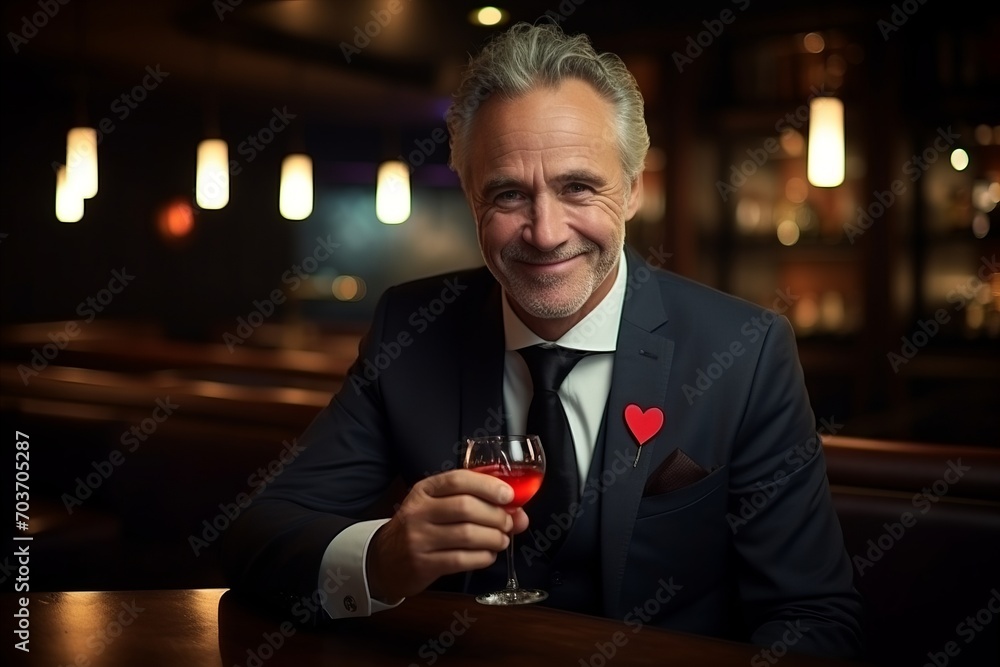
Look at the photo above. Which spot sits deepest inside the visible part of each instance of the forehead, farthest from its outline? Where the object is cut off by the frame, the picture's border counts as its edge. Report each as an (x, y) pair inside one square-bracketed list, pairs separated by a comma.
[(570, 119)]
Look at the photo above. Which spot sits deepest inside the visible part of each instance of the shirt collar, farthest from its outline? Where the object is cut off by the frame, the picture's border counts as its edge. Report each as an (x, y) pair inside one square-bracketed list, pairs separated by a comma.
[(597, 332)]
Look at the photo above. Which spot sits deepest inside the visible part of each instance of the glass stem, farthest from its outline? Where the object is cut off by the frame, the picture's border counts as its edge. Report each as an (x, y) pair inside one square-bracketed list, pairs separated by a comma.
[(511, 575)]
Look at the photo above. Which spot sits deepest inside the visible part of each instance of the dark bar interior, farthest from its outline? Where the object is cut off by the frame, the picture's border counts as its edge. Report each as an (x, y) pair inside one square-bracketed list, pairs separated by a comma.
[(164, 352)]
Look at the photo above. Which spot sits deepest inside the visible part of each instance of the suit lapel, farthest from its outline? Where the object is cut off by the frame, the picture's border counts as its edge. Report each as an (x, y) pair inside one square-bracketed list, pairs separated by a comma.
[(482, 363), (481, 385), (641, 371)]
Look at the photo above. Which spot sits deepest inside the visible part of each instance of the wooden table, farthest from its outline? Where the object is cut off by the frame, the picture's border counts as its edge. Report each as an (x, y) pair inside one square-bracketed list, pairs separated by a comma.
[(213, 628)]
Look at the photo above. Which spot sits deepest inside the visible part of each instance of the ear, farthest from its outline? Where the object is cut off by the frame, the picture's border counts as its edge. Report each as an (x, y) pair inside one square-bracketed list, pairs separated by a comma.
[(634, 198)]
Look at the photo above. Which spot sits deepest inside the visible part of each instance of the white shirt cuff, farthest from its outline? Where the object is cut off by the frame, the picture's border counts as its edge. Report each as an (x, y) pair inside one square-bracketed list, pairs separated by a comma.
[(343, 579)]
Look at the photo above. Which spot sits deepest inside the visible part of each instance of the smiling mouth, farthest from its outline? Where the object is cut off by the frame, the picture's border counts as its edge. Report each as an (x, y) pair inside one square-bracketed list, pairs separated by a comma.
[(551, 265), (549, 262), (554, 262)]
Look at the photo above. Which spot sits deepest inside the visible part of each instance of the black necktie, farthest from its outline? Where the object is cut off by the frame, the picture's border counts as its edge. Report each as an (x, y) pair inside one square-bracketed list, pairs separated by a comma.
[(548, 510)]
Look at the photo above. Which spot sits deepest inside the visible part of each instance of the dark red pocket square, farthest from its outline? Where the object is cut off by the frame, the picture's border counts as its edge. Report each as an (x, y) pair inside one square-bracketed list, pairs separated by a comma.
[(677, 471)]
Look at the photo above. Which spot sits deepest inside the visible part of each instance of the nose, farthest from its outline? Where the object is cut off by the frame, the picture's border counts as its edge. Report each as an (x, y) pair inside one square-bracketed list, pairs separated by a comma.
[(547, 228)]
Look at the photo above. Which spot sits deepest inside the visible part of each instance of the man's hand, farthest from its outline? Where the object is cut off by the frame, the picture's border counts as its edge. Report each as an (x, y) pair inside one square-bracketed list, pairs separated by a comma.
[(447, 523)]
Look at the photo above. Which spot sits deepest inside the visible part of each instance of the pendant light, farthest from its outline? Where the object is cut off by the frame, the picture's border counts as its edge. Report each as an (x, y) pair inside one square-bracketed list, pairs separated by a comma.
[(825, 162), (69, 202), (212, 167), (392, 192)]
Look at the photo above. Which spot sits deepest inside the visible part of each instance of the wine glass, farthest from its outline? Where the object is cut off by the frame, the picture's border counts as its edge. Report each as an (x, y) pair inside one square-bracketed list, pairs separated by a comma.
[(519, 461)]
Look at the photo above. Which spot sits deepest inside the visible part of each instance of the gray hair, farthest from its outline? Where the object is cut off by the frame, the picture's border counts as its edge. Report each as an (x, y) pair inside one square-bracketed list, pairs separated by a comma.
[(529, 55)]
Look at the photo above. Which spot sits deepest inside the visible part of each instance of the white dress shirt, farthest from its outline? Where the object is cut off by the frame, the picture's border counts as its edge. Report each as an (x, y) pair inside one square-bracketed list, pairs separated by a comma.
[(584, 393)]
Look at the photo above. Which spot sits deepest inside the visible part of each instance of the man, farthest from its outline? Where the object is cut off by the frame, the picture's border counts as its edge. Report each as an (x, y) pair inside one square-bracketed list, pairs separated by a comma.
[(714, 503)]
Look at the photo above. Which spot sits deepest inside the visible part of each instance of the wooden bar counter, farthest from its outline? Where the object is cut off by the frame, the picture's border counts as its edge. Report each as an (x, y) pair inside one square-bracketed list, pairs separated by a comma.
[(213, 628)]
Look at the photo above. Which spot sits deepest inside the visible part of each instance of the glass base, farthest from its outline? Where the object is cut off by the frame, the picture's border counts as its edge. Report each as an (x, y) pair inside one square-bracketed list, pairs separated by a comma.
[(512, 596)]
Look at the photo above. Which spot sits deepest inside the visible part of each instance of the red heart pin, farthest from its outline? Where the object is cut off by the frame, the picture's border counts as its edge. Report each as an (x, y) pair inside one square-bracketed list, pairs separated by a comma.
[(643, 424)]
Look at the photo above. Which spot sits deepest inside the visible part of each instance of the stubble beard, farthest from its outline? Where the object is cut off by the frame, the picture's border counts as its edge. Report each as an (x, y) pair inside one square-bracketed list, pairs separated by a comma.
[(553, 296)]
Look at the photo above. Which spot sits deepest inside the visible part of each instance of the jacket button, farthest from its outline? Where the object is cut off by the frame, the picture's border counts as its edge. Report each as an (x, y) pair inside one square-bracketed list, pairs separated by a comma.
[(557, 578), (350, 604)]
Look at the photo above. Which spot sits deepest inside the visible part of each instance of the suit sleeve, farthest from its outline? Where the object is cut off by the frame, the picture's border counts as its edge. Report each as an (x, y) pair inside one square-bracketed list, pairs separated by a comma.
[(795, 577), (275, 548)]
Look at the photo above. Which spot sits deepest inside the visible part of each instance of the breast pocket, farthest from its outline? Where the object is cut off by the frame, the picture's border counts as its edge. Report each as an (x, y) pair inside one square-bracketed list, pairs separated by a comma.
[(684, 534), (672, 501)]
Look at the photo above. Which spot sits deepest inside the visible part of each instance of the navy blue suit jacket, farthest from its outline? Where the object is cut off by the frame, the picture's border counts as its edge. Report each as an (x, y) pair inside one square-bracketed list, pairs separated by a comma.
[(754, 548)]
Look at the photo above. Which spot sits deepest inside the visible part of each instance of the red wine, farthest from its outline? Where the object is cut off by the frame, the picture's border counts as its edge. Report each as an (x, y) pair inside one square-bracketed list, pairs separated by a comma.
[(525, 480)]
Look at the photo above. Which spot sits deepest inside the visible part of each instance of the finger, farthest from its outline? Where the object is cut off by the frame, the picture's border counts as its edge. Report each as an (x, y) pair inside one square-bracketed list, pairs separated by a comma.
[(455, 482), (462, 536), (466, 509), (396, 570), (463, 560), (440, 563), (520, 519)]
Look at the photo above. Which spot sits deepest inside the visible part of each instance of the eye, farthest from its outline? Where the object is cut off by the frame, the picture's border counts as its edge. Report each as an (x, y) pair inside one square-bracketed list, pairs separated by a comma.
[(508, 198), (577, 188)]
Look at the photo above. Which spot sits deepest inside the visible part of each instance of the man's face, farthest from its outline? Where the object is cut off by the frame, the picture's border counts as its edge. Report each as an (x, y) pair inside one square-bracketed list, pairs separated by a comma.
[(549, 197)]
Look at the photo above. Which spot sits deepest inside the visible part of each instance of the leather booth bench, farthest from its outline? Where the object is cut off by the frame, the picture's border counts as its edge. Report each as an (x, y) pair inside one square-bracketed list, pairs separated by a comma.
[(922, 526)]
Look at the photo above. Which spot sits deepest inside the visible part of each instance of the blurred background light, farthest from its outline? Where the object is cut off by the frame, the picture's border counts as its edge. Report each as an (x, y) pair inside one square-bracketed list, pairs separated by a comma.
[(295, 198), (348, 288), (69, 202), (488, 16), (813, 42), (81, 160), (825, 162), (788, 232), (392, 192), (959, 159), (212, 176), (175, 220)]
